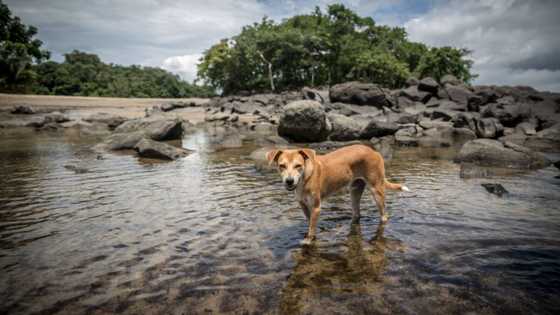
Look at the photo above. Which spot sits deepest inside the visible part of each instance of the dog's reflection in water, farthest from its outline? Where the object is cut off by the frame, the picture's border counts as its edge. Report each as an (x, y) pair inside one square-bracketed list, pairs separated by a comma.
[(346, 278)]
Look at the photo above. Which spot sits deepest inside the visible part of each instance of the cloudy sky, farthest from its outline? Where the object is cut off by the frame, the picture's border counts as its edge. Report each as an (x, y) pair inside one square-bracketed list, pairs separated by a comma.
[(514, 42)]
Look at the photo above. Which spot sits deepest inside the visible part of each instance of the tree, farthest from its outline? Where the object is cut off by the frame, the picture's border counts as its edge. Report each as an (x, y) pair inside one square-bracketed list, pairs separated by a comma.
[(438, 62), (323, 48), (18, 51)]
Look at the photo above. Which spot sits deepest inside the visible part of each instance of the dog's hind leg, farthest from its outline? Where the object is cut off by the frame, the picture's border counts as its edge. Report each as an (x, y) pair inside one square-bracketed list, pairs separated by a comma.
[(356, 190), (378, 192)]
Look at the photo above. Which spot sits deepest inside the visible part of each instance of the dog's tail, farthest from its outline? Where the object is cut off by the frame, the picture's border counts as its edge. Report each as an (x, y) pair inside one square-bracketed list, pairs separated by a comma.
[(393, 186)]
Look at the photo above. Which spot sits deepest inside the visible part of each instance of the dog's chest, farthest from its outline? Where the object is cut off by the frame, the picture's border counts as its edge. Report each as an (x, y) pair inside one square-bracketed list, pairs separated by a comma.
[(305, 197)]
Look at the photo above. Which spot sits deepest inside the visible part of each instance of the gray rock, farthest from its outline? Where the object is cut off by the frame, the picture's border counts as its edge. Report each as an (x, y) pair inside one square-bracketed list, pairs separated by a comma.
[(508, 114), (377, 128), (428, 85), (315, 95), (304, 121), (23, 110), (489, 128), (360, 94), (112, 121), (546, 140), (527, 128), (486, 152), (122, 141), (414, 94), (459, 94), (408, 136), (156, 128), (56, 117), (412, 81), (159, 150), (345, 128), (450, 79), (76, 168)]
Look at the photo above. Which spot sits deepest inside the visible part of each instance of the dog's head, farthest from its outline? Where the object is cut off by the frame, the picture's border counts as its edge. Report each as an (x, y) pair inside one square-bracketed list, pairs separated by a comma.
[(294, 165)]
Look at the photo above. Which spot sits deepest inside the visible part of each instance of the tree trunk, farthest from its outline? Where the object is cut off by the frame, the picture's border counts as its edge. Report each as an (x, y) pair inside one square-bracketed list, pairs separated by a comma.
[(270, 77)]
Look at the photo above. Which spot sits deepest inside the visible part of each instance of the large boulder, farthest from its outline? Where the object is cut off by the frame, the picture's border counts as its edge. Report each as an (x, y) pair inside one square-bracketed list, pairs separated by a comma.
[(344, 128), (360, 94), (378, 128), (122, 141), (155, 128), (159, 150), (428, 85), (546, 140), (304, 121), (459, 94), (486, 152)]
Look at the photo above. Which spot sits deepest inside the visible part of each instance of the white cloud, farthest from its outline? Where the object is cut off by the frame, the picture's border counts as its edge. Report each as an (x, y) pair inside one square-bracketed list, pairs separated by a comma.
[(514, 42), (184, 65)]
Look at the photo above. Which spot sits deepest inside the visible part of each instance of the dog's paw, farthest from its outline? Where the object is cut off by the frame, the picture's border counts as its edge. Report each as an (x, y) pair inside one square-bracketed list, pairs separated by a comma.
[(307, 241)]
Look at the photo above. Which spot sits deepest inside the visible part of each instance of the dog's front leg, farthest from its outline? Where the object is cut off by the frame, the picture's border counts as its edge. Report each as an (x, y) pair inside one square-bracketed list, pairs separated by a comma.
[(310, 237)]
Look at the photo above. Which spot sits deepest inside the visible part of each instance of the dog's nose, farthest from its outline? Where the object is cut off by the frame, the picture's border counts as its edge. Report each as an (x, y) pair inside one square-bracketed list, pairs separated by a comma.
[(289, 181)]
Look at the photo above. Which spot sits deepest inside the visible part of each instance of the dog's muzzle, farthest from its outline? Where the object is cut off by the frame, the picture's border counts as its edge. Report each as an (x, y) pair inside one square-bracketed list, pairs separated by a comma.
[(290, 184)]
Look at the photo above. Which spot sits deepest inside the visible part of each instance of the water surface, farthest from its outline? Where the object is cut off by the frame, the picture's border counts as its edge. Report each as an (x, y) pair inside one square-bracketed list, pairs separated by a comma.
[(211, 234)]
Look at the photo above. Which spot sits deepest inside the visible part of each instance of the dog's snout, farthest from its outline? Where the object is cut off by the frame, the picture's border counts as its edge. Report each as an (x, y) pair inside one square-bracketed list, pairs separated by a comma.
[(289, 181)]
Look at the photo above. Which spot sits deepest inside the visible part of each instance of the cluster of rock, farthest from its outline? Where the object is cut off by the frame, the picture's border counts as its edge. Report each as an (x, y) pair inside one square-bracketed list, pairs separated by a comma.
[(509, 122)]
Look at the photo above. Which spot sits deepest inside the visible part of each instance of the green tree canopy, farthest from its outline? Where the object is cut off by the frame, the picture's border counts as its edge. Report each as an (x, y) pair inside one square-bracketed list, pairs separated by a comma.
[(18, 50), (323, 49)]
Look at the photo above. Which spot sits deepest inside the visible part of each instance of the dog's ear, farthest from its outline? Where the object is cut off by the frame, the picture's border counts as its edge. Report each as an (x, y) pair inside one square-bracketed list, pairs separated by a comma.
[(272, 156), (307, 154)]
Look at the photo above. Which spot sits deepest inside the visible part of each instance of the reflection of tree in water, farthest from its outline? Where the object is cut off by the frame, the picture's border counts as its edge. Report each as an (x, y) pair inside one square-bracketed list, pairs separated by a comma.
[(347, 282)]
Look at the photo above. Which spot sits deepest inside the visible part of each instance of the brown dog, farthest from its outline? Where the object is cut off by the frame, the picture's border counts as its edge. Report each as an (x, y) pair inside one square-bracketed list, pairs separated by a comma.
[(317, 176)]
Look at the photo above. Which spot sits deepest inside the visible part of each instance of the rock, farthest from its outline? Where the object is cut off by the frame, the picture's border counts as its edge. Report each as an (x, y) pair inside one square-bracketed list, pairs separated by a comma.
[(360, 94), (56, 117), (546, 140), (408, 136), (451, 105), (304, 121), (489, 128), (351, 109), (344, 128), (23, 109), (159, 150), (428, 124), (474, 103), (36, 122), (259, 159), (443, 114), (412, 81), (495, 189), (406, 118), (414, 94), (384, 146), (273, 141), (557, 164), (526, 128), (219, 116), (428, 85), (157, 128), (459, 94), (450, 79), (314, 95), (508, 114), (466, 120), (112, 121), (444, 136), (122, 141), (76, 168), (486, 152), (377, 128), (404, 102)]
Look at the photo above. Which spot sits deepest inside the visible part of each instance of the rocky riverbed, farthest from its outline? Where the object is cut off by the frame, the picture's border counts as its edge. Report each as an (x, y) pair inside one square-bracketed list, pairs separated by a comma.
[(157, 206)]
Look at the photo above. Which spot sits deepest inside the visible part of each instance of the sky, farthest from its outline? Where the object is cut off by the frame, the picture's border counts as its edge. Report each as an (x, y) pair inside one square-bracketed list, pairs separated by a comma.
[(513, 42)]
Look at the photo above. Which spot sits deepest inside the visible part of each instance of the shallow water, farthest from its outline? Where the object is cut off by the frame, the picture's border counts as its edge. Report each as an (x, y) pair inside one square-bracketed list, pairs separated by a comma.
[(210, 234)]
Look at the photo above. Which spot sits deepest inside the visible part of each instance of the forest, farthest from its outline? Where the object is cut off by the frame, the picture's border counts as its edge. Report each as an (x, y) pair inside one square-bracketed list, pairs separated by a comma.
[(316, 49)]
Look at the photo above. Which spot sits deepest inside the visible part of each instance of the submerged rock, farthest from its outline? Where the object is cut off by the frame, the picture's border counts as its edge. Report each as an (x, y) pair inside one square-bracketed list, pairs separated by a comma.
[(304, 121), (495, 189), (488, 152), (112, 121), (76, 168), (122, 141), (159, 150)]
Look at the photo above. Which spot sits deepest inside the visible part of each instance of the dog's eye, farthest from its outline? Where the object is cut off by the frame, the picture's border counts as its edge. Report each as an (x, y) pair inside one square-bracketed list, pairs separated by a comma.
[(282, 166), (298, 166)]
